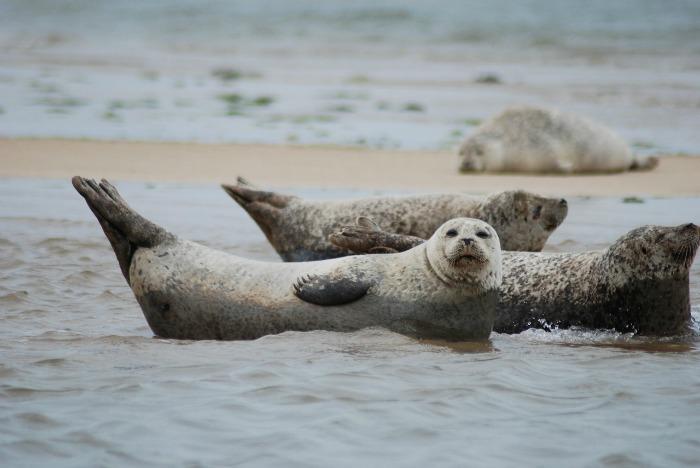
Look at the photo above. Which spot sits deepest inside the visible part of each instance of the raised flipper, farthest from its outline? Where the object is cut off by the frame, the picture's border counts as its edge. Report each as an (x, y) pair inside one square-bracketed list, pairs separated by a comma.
[(243, 182), (125, 228), (367, 237), (245, 193), (264, 207), (332, 289), (644, 163)]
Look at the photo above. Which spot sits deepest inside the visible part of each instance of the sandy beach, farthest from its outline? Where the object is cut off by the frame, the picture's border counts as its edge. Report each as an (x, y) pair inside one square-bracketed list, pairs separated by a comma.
[(318, 166)]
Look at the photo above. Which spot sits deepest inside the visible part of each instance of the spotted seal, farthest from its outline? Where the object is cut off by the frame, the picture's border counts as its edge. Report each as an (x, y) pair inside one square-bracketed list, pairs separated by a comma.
[(442, 289), (638, 284), (532, 139), (298, 229)]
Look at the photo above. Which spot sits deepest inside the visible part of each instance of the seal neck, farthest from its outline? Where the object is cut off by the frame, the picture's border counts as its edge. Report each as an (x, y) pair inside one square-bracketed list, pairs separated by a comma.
[(470, 288), (434, 270)]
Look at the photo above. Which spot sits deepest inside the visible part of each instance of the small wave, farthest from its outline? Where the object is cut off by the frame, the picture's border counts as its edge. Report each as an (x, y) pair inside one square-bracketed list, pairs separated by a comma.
[(4, 243), (577, 336), (6, 371), (82, 277), (11, 391), (54, 362), (16, 297), (573, 335), (36, 419), (64, 245), (44, 221)]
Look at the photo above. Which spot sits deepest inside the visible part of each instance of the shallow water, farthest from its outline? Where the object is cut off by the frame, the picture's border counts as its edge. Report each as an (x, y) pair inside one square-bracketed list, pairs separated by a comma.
[(84, 383), (369, 73)]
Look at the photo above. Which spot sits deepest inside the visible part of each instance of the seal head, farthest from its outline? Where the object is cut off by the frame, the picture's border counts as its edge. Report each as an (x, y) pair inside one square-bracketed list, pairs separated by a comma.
[(647, 288), (466, 251), (653, 252), (525, 220)]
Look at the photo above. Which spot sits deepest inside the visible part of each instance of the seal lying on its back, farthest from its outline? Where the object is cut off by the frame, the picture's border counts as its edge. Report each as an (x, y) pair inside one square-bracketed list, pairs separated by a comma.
[(530, 139), (298, 229), (444, 289), (639, 284)]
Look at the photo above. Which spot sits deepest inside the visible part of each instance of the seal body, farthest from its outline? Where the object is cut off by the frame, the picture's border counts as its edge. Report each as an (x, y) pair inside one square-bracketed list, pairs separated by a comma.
[(530, 139), (298, 229), (639, 284), (445, 288), (189, 291)]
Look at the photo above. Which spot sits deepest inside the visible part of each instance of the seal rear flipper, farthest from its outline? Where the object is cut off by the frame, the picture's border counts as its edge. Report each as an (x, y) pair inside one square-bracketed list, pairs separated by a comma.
[(244, 193), (645, 163), (328, 290), (125, 228), (264, 207), (242, 181)]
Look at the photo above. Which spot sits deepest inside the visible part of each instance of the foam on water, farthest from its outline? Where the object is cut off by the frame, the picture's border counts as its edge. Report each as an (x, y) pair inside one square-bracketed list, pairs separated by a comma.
[(84, 383)]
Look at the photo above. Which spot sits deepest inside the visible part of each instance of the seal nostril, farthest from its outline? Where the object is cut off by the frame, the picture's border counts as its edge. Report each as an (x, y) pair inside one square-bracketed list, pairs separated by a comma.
[(467, 240), (563, 202)]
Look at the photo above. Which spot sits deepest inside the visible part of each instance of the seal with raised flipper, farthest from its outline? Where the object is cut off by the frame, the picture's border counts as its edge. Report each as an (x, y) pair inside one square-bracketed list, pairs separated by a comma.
[(540, 140), (443, 289), (639, 284), (298, 229)]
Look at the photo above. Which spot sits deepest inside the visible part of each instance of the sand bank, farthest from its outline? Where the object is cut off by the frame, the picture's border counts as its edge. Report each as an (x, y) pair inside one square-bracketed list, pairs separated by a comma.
[(316, 166)]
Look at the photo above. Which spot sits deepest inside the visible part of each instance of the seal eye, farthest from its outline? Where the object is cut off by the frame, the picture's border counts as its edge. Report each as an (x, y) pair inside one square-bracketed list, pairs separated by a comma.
[(537, 212), (451, 233), (483, 234)]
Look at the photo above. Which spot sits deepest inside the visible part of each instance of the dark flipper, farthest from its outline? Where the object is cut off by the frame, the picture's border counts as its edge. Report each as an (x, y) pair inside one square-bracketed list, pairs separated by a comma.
[(330, 290), (125, 228), (264, 207), (644, 163), (245, 193), (367, 237)]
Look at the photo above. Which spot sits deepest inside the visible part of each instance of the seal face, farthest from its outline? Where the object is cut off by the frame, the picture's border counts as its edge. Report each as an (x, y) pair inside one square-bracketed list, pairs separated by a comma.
[(531, 139), (525, 219), (639, 284), (444, 288), (299, 229), (466, 252)]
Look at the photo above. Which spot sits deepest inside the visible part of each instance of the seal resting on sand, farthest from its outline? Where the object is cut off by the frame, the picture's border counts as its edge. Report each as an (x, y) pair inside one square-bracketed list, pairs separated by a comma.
[(638, 284), (443, 289), (531, 139), (298, 229)]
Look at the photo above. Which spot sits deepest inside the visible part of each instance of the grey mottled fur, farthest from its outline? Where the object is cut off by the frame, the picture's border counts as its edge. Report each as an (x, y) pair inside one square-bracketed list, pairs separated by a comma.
[(443, 289), (532, 139), (639, 284), (298, 229)]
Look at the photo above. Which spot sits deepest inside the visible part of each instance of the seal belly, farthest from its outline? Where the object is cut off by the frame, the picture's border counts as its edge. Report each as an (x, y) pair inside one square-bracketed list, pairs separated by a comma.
[(466, 320)]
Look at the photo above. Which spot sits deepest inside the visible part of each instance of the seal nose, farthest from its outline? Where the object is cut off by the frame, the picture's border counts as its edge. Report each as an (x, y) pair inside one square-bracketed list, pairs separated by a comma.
[(468, 241), (689, 227), (563, 202)]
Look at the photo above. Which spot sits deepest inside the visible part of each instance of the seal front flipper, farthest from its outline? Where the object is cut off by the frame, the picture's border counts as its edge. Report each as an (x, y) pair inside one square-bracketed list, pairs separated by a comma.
[(365, 236), (332, 289), (125, 228)]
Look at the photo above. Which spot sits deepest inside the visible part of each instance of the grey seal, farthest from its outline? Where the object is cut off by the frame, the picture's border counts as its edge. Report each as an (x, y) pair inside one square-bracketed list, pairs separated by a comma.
[(639, 284), (298, 229), (539, 140), (442, 289)]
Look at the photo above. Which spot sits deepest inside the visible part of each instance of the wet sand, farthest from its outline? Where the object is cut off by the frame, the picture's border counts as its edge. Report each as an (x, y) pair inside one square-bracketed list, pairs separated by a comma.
[(285, 166)]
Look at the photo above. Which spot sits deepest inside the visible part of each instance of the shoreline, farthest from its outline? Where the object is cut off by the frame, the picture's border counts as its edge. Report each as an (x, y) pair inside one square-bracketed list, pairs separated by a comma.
[(286, 166)]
